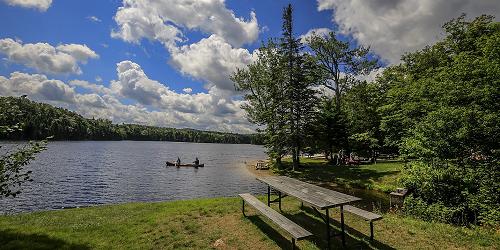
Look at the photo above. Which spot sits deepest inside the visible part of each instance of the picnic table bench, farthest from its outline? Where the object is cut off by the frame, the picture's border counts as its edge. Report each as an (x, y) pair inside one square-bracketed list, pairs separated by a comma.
[(286, 224), (261, 165), (369, 216)]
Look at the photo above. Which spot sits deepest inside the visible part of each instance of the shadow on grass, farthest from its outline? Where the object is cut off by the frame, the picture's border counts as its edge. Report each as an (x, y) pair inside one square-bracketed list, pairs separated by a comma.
[(309, 220), (273, 234), (14, 240), (355, 239), (324, 172)]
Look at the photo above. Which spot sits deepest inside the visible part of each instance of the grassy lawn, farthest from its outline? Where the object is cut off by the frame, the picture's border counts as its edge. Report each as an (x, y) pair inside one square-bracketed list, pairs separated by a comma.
[(381, 176), (200, 223)]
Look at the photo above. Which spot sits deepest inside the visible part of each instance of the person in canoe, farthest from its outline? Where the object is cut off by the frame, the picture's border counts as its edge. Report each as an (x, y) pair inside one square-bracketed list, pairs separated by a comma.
[(196, 162), (178, 162)]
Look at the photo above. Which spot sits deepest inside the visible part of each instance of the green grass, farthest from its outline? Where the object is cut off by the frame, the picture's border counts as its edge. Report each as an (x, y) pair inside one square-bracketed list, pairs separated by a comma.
[(200, 223), (382, 176)]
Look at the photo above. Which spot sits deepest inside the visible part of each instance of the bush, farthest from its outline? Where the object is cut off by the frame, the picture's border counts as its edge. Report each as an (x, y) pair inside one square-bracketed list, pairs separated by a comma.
[(444, 192)]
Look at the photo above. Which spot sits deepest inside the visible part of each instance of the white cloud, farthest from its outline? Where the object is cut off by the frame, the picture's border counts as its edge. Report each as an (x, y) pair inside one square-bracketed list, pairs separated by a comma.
[(41, 5), (392, 28), (319, 31), (95, 88), (37, 87), (214, 110), (80, 52), (187, 90), (43, 57), (163, 21), (212, 59), (94, 19), (372, 76), (133, 83)]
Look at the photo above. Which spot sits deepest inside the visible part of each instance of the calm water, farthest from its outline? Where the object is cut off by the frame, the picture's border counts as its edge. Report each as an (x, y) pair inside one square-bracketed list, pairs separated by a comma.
[(73, 174)]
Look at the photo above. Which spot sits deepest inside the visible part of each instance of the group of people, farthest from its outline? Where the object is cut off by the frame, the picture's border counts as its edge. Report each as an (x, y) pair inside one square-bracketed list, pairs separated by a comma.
[(196, 161)]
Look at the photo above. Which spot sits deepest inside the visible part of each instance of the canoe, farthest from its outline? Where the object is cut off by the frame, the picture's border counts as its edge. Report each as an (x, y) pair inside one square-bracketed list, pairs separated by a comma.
[(184, 165)]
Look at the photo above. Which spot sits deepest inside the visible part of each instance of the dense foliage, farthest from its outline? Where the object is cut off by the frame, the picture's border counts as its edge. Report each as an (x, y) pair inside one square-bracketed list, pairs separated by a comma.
[(443, 111), (38, 121), (14, 159)]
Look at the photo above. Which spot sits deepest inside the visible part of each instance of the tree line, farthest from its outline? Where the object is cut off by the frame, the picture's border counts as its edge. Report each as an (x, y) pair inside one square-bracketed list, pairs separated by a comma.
[(38, 121), (438, 109)]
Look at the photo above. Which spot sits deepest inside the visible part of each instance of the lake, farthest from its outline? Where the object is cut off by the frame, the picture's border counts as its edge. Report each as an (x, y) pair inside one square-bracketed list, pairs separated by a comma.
[(85, 173)]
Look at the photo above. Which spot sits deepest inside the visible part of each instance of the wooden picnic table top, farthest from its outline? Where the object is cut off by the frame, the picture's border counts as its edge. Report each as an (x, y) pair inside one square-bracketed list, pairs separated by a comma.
[(318, 197)]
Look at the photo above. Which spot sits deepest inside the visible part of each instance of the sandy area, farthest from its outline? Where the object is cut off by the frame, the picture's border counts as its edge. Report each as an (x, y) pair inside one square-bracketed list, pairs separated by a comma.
[(250, 166)]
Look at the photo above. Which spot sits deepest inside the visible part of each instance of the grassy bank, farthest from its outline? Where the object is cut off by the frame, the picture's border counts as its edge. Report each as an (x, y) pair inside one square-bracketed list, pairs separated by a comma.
[(217, 223), (381, 176)]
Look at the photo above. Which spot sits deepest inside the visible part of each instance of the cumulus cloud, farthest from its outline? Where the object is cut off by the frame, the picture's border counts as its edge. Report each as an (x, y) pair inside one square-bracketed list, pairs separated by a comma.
[(41, 5), (392, 28), (214, 110), (43, 57), (319, 31), (187, 90), (133, 83), (92, 87), (211, 59), (37, 86), (162, 21)]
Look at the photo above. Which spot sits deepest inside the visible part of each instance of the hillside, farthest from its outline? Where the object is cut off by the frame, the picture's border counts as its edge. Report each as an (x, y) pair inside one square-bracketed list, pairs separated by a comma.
[(40, 120)]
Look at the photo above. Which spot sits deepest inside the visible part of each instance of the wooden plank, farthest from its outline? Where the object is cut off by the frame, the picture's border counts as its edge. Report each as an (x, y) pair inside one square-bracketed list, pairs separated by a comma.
[(282, 187), (295, 230), (317, 196), (322, 191), (363, 213)]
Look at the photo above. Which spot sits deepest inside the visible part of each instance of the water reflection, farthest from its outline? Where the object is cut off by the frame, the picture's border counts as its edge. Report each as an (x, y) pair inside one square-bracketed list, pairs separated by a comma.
[(71, 174)]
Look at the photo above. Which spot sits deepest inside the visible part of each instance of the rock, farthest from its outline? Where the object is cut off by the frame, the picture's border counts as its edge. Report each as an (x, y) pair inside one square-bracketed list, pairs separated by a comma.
[(219, 243)]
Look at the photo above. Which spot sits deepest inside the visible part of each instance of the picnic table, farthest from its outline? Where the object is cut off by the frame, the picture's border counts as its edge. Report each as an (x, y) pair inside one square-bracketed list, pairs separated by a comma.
[(317, 197)]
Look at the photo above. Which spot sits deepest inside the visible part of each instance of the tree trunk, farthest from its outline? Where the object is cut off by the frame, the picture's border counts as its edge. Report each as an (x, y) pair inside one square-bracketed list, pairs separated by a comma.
[(278, 162)]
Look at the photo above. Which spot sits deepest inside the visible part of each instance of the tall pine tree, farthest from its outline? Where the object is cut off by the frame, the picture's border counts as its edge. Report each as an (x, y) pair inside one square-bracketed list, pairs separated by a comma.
[(301, 100)]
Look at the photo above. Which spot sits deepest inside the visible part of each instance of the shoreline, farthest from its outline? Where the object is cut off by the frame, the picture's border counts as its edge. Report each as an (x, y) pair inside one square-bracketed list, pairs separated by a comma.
[(250, 166)]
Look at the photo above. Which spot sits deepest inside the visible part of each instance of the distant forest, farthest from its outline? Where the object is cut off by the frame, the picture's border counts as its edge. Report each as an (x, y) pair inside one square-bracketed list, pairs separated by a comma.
[(37, 121)]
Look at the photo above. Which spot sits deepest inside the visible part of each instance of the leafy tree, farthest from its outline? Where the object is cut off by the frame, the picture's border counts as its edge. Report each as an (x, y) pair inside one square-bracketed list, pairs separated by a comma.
[(443, 111), (330, 132), (13, 160), (36, 121), (361, 104), (263, 85), (340, 62)]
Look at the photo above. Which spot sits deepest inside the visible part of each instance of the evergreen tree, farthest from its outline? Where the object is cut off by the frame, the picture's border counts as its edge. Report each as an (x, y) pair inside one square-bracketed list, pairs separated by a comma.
[(301, 76)]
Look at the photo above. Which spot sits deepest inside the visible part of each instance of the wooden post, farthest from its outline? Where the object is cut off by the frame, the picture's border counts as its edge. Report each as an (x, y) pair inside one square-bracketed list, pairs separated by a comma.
[(268, 195), (328, 227), (342, 224), (279, 200), (293, 243), (371, 230), (243, 207)]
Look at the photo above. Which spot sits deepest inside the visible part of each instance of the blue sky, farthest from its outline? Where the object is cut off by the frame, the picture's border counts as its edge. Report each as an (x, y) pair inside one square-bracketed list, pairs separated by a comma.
[(134, 60), (69, 22)]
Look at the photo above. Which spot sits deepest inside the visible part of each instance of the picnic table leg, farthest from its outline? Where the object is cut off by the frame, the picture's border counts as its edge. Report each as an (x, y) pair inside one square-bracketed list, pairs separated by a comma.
[(371, 230), (342, 224), (279, 200), (328, 227), (268, 196), (243, 207)]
